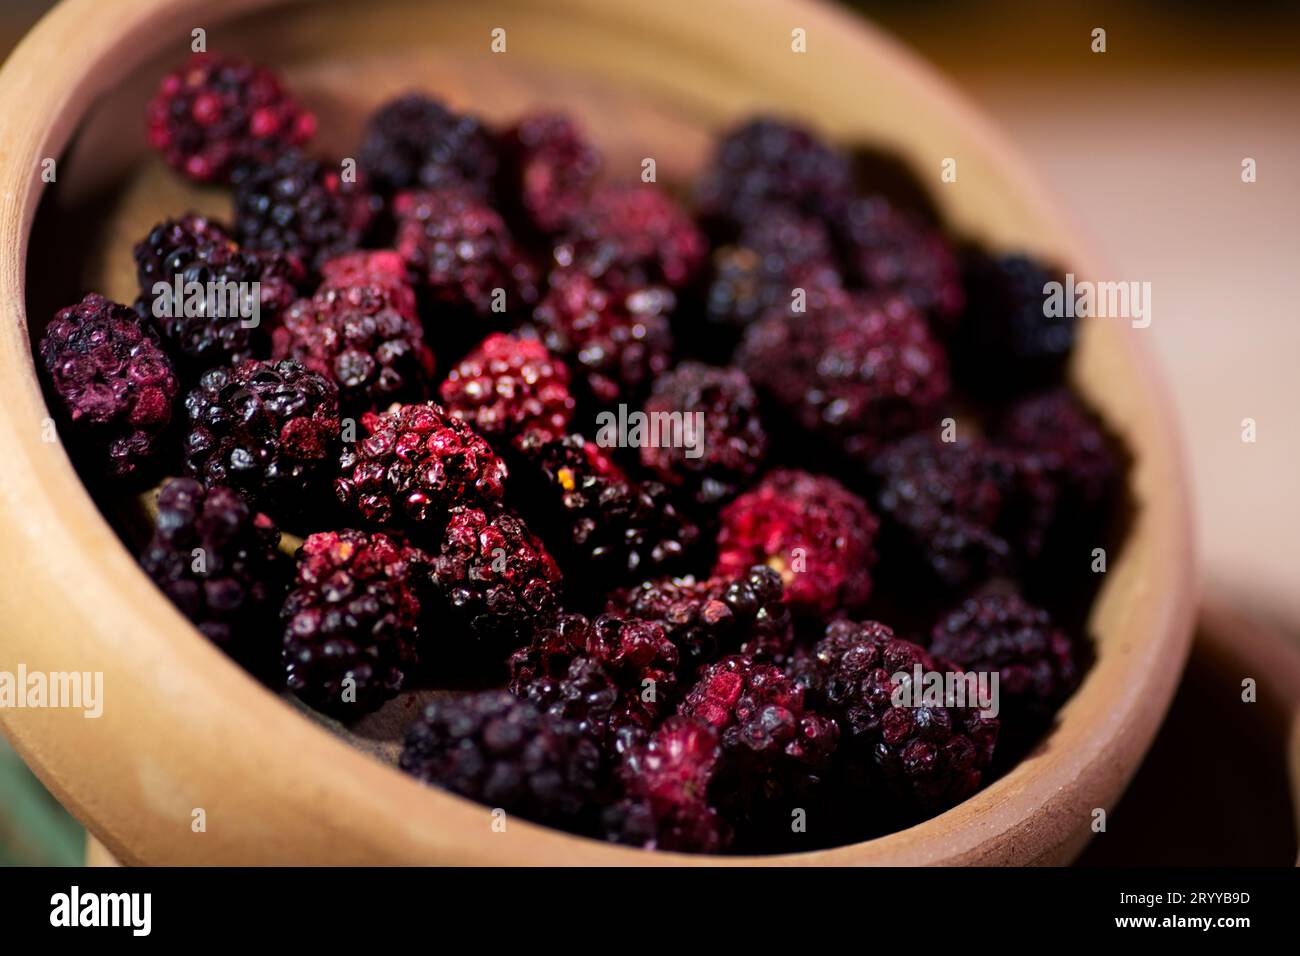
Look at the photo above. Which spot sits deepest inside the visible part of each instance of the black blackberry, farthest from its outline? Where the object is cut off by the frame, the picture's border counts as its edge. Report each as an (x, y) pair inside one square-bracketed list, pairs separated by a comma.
[(416, 141)]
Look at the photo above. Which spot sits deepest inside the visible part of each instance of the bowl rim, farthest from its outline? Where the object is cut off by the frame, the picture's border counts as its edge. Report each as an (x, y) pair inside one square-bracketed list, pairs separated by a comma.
[(376, 813)]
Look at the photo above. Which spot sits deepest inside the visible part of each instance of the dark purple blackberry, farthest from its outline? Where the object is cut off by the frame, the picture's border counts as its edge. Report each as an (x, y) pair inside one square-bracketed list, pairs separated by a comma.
[(496, 580), (722, 615), (709, 464), (351, 622), (888, 251), (218, 562), (859, 370), (503, 752), (270, 430), (301, 206), (218, 113), (576, 688), (665, 785), (413, 465), (604, 527), (113, 381), (999, 632), (551, 168), (195, 249), (768, 162), (1007, 342), (949, 507), (930, 756), (415, 141)]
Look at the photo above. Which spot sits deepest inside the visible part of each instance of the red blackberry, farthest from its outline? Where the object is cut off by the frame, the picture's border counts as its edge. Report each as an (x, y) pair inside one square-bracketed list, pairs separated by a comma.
[(768, 162), (665, 792), (199, 250), (812, 530), (714, 461), (1000, 632), (270, 430), (552, 167), (218, 562), (889, 251), (415, 463), (301, 206), (860, 369), (605, 527), (617, 344), (415, 141), (383, 267), (951, 507), (630, 236), (1006, 341), (363, 334), (116, 385), (722, 615), (508, 386), (462, 252), (495, 578), (217, 113), (502, 751), (932, 756), (352, 620)]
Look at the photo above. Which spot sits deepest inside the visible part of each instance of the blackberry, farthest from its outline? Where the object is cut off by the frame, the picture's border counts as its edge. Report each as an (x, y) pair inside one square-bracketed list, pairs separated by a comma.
[(889, 251), (712, 464), (414, 464), (630, 236), (502, 751), (364, 335), (950, 507), (114, 382), (722, 615), (351, 622), (605, 527), (1006, 341), (198, 250), (930, 756), (999, 632), (414, 141), (270, 430), (218, 113), (495, 578), (617, 344), (462, 252), (218, 562), (383, 267), (300, 206), (551, 167), (508, 386), (767, 162), (665, 785), (813, 531), (859, 370)]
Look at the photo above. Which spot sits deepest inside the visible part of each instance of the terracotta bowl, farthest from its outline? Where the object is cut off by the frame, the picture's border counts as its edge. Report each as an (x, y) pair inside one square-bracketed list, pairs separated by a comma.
[(183, 727)]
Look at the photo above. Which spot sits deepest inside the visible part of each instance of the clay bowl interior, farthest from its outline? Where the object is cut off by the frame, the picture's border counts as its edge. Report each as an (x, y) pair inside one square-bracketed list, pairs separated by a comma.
[(184, 728)]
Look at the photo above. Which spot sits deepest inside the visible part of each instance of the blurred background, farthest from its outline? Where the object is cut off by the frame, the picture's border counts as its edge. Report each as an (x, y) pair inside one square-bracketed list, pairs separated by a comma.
[(1142, 146)]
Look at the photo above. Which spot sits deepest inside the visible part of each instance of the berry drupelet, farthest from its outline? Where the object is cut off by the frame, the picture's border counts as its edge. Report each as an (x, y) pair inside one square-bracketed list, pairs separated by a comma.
[(270, 430), (218, 562), (930, 756), (351, 622), (415, 141), (414, 464), (550, 166), (998, 631), (722, 615), (812, 530), (114, 382), (709, 466), (500, 750), (301, 206), (508, 386), (858, 369), (216, 114)]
